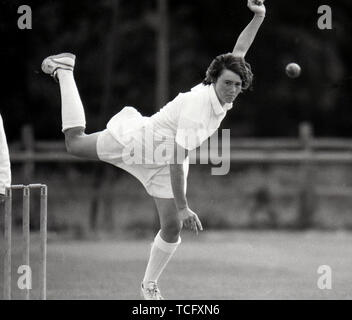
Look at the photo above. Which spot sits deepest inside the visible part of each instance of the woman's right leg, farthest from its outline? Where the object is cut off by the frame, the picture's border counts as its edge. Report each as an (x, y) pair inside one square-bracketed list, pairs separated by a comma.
[(73, 118)]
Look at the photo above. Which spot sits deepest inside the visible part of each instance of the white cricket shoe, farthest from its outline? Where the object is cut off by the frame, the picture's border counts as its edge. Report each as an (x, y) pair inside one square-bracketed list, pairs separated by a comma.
[(150, 291), (64, 61)]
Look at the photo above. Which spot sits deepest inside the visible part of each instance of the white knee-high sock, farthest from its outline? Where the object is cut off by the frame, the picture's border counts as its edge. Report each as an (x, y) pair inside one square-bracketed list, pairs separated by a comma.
[(160, 254), (72, 110)]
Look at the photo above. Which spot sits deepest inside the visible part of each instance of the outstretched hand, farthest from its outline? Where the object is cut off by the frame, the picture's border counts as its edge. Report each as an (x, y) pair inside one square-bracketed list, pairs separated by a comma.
[(190, 220), (257, 6)]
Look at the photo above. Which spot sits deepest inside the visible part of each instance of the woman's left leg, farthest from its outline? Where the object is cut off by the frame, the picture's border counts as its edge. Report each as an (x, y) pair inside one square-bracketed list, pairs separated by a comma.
[(164, 246)]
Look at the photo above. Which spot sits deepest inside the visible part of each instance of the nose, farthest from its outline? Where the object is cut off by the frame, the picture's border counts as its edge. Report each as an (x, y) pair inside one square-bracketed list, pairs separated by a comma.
[(234, 90)]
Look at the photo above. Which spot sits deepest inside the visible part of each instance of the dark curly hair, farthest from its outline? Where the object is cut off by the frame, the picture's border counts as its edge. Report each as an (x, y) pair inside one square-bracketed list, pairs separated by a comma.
[(235, 64)]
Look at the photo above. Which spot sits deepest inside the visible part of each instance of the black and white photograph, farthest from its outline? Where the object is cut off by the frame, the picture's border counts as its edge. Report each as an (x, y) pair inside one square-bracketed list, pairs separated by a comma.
[(176, 150)]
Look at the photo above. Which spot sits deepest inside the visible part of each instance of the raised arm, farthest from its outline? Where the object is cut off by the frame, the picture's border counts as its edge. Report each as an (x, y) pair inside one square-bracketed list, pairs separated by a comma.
[(247, 36)]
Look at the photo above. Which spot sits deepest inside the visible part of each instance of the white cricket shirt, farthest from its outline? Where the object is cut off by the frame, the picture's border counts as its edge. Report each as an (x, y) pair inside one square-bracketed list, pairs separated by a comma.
[(189, 119)]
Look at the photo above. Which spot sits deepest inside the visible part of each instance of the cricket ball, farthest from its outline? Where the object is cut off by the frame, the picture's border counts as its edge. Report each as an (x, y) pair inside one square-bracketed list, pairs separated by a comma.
[(293, 70)]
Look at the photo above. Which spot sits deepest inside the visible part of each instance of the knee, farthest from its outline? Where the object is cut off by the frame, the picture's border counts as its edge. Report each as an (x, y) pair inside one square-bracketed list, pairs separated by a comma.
[(71, 146), (71, 140), (172, 229)]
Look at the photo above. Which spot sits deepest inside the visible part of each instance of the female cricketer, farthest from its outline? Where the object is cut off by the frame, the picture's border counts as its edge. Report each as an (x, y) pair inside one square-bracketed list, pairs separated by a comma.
[(180, 126), (5, 168)]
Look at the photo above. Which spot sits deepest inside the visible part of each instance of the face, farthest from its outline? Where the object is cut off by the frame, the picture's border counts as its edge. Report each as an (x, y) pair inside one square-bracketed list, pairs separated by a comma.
[(228, 86)]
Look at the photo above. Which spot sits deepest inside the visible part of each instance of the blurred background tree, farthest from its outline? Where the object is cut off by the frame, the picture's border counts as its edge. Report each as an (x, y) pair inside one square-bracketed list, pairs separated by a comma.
[(143, 53), (197, 32)]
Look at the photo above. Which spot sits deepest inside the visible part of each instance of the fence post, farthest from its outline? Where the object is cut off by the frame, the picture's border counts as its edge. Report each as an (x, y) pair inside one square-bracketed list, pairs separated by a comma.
[(307, 196), (28, 142)]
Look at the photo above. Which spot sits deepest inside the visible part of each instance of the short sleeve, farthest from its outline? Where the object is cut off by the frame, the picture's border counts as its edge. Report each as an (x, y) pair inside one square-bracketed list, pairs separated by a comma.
[(192, 128)]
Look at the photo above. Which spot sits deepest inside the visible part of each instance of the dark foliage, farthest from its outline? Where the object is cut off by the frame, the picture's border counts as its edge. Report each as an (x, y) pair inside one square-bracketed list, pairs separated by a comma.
[(199, 30)]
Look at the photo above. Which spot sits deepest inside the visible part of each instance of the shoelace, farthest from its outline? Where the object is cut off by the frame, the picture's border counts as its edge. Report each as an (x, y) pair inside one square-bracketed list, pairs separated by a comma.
[(153, 290)]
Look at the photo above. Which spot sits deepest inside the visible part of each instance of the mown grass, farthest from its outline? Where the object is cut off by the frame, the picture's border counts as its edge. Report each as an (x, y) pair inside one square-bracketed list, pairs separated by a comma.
[(216, 265)]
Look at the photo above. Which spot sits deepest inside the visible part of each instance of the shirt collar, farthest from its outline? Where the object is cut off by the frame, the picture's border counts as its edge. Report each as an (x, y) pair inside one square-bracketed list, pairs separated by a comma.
[(217, 107)]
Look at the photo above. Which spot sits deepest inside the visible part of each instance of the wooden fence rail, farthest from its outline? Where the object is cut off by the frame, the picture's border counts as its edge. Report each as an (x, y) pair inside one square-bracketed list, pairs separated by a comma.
[(236, 156), (305, 151)]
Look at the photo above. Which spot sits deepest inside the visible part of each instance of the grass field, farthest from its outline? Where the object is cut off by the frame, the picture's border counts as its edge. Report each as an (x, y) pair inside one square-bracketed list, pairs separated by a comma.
[(216, 265)]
